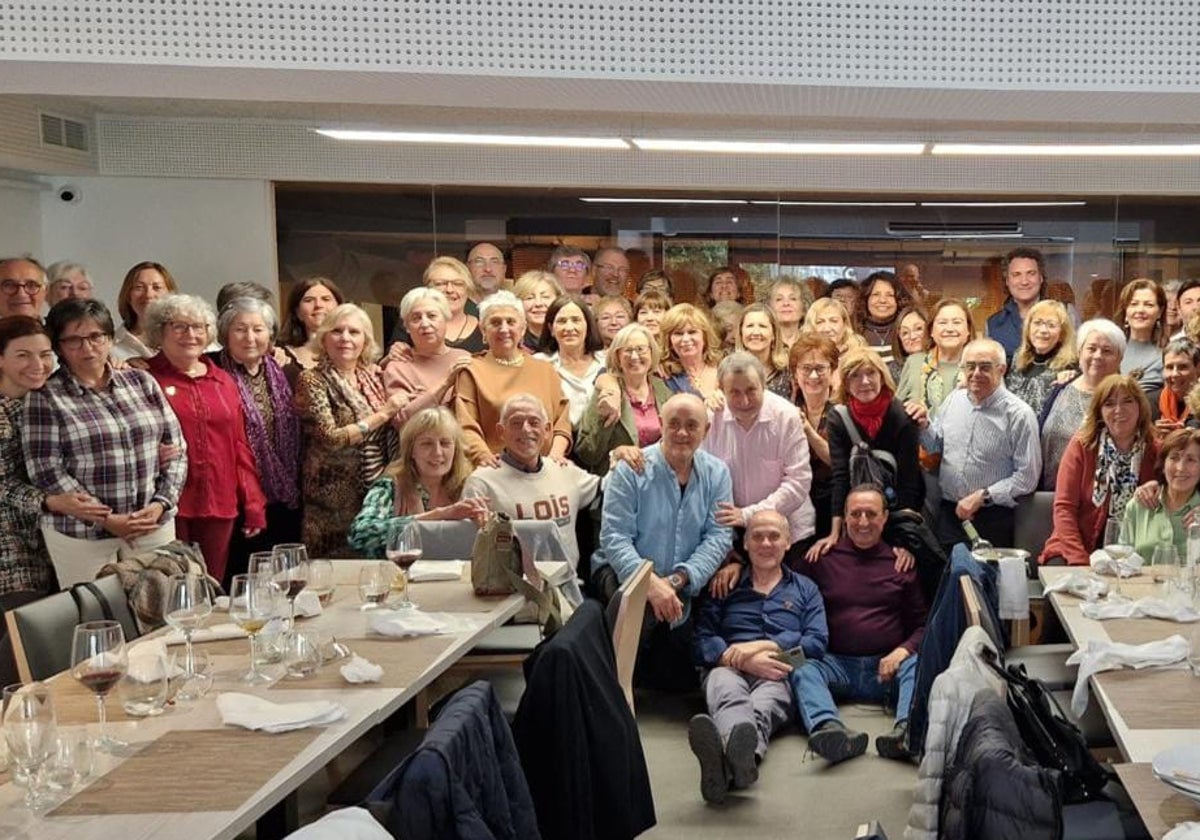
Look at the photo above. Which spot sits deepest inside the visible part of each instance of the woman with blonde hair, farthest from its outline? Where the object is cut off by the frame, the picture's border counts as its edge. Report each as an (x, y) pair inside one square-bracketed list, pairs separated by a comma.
[(536, 290), (830, 318), (788, 299), (424, 482), (758, 334), (346, 418), (691, 351), (1047, 349)]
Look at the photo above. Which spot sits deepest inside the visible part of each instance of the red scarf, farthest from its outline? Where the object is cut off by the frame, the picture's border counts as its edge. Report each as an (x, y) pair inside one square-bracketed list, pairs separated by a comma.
[(869, 415)]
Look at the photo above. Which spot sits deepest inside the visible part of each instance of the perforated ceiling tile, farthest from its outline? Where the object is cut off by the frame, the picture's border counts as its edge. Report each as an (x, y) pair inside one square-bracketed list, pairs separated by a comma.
[(1015, 44)]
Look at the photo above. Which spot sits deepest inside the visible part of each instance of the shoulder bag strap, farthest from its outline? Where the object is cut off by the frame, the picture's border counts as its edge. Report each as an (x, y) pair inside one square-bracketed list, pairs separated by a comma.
[(848, 421)]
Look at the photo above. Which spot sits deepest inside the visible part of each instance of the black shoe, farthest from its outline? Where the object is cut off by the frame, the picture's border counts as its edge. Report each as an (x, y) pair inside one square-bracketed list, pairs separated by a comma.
[(705, 741), (739, 754), (894, 745), (835, 743)]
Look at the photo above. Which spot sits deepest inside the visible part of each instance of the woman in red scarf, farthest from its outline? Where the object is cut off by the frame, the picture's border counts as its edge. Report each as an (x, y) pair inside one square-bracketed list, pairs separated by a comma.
[(1181, 367), (867, 390)]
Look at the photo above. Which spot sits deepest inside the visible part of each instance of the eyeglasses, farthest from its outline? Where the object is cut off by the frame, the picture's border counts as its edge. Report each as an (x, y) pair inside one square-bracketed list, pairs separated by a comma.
[(29, 287), (578, 265), (814, 370), (480, 262), (75, 342), (183, 328), (1039, 324), (982, 367), (612, 318), (636, 351), (446, 284)]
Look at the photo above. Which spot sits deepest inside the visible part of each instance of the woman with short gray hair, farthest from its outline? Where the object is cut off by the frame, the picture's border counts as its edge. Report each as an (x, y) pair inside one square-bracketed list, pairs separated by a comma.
[(424, 378), (222, 481), (246, 329)]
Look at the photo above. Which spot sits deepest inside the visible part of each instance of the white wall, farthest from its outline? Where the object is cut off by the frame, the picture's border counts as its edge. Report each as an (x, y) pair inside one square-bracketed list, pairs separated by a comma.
[(207, 232), (20, 220)]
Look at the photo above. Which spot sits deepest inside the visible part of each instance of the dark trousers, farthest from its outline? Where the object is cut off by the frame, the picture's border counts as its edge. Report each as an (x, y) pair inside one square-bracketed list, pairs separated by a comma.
[(994, 523), (283, 526)]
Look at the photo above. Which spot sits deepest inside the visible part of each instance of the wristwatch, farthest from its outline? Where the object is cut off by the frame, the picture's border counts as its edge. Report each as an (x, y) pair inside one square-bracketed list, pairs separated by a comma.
[(676, 580), (363, 427), (987, 497)]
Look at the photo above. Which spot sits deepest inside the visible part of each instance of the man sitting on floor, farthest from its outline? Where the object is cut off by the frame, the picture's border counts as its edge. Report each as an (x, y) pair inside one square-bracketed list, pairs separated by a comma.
[(745, 638), (876, 618), (528, 486)]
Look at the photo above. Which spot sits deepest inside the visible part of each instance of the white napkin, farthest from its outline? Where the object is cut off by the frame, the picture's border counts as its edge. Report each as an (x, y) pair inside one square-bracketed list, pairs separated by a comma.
[(428, 570), (1148, 607), (252, 712), (359, 670), (1108, 656), (308, 604), (148, 660), (1081, 585), (1014, 589), (208, 634), (343, 824), (413, 622), (1103, 564), (221, 602), (1184, 831)]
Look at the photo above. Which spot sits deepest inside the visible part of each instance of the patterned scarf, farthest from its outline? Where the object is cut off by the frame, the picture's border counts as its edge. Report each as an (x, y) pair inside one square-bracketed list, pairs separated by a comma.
[(278, 460), (1116, 474), (365, 395)]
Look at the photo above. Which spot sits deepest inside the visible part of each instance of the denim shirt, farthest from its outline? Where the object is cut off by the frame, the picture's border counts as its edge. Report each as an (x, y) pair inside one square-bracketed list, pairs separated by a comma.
[(1005, 326)]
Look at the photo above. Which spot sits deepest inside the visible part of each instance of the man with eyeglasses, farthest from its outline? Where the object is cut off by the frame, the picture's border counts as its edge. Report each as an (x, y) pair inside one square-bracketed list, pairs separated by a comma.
[(876, 620), (22, 287), (488, 269), (991, 452), (571, 266), (611, 272)]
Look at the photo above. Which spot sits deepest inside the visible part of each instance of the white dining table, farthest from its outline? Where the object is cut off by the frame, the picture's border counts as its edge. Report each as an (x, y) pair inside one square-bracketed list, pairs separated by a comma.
[(366, 708)]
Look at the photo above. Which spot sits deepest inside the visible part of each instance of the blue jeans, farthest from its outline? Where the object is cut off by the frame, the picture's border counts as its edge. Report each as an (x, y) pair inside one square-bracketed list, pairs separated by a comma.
[(818, 681)]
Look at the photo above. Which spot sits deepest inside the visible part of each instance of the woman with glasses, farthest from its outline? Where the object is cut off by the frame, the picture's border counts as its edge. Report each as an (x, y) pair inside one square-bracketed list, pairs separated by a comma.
[(536, 290), (625, 412), (1046, 353), (571, 268), (611, 313), (22, 287), (106, 433), (222, 477), (453, 279), (813, 359), (912, 336), (145, 283)]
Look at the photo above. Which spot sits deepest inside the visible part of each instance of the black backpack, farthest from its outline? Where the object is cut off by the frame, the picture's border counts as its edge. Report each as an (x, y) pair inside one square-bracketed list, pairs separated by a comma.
[(867, 465)]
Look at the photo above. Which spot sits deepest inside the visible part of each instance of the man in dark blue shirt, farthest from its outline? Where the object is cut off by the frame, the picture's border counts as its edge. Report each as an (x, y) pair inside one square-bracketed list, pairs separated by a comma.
[(750, 640)]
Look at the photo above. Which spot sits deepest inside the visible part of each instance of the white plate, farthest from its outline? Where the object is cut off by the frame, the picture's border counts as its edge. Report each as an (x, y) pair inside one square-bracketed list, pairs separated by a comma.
[(1184, 759), (1186, 788)]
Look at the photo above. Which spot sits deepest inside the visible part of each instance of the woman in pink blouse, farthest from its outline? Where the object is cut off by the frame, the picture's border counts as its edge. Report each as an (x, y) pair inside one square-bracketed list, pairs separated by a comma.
[(424, 378)]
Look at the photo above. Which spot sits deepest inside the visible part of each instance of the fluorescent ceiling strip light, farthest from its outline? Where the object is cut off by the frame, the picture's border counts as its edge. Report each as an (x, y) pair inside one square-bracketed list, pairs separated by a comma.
[(839, 203), (1080, 150), (475, 139), (1003, 203), (972, 236), (777, 148), (609, 200)]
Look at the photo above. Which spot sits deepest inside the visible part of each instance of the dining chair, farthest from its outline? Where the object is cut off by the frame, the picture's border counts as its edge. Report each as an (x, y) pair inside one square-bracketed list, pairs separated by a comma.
[(627, 629), (41, 635)]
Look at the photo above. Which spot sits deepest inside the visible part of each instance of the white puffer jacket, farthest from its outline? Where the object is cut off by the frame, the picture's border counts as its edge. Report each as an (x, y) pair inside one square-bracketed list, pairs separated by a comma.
[(949, 708)]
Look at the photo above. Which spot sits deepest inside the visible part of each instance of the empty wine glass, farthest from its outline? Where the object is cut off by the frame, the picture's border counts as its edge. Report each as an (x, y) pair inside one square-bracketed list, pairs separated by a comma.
[(404, 549), (1165, 565), (30, 734), (98, 661), (253, 600), (1118, 548), (189, 603), (291, 573)]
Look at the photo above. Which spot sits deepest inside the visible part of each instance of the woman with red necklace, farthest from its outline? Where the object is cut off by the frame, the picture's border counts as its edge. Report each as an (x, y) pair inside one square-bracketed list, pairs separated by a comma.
[(868, 391)]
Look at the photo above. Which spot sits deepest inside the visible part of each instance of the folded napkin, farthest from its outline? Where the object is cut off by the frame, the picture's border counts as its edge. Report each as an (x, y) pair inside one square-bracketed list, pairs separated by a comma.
[(1080, 584), (359, 670), (1109, 656), (148, 661), (413, 622), (1014, 588), (252, 712), (308, 604), (1149, 607), (428, 570), (1104, 564), (221, 603), (208, 634), (1184, 831)]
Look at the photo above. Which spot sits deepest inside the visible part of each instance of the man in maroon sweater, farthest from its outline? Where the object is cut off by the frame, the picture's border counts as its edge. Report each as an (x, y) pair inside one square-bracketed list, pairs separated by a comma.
[(876, 617)]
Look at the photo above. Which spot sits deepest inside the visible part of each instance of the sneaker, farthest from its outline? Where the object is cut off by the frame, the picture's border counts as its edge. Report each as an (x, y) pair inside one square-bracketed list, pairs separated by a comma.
[(739, 753), (894, 745), (705, 741), (835, 743)]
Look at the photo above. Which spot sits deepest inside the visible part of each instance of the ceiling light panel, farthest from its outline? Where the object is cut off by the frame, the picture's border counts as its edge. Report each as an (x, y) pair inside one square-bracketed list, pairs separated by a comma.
[(474, 139), (747, 147)]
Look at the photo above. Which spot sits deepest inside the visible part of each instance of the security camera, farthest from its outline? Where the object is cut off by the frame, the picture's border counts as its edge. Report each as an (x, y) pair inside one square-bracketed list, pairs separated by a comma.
[(69, 195)]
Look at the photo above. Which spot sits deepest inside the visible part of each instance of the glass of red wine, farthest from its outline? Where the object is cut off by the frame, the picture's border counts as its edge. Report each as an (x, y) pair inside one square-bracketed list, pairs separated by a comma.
[(98, 661), (290, 561), (404, 549)]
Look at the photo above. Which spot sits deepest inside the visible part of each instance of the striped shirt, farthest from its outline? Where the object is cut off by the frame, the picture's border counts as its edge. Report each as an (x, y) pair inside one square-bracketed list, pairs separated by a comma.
[(104, 442)]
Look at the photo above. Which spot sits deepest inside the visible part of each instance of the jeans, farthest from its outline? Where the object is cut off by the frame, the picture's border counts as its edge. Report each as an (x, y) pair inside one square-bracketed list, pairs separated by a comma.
[(818, 681)]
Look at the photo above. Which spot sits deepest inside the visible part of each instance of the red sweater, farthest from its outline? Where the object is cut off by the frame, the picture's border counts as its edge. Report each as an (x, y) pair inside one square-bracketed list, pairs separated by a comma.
[(1079, 524)]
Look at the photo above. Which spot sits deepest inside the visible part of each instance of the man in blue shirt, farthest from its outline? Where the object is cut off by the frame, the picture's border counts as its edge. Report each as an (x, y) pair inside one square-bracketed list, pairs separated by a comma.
[(745, 639), (1025, 281), (666, 514)]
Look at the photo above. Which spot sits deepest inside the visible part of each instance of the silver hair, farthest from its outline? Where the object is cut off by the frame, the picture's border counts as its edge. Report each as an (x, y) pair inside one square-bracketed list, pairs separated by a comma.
[(62, 268), (245, 306), (422, 293), (1106, 328), (995, 348), (170, 307), (499, 300), (741, 362), (516, 400)]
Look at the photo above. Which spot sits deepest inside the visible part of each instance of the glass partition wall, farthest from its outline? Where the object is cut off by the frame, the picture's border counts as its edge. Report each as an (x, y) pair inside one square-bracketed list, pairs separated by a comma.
[(375, 240)]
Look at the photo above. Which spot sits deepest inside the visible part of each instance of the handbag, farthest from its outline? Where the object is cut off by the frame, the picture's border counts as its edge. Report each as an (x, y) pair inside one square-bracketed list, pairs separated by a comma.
[(498, 567), (867, 465)]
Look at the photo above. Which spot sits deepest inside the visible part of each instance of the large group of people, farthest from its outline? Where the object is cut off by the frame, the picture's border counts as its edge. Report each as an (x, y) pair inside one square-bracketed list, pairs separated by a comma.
[(723, 439)]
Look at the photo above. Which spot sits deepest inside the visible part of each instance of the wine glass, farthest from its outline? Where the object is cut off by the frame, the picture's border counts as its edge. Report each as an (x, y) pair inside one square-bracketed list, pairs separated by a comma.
[(404, 549), (291, 573), (253, 600), (374, 583), (1118, 547), (320, 580), (189, 603), (30, 734), (98, 661)]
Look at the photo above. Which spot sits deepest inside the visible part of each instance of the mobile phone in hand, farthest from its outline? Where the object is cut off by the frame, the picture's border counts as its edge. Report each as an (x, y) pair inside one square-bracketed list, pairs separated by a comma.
[(794, 657)]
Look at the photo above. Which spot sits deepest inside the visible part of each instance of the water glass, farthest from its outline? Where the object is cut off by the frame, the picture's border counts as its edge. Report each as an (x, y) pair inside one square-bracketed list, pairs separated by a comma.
[(31, 734), (143, 689), (302, 654), (374, 583), (1118, 548), (1165, 568), (320, 580), (72, 762)]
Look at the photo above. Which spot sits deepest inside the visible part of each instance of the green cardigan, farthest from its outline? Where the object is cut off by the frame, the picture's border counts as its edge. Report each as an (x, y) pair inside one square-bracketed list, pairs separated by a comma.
[(593, 441)]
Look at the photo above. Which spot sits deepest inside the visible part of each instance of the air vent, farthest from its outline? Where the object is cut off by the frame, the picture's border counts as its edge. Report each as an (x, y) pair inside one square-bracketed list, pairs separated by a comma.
[(64, 133), (956, 229)]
